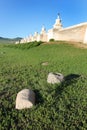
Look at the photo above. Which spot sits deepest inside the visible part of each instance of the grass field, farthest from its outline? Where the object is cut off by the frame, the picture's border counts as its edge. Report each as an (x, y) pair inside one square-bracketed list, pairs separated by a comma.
[(58, 107)]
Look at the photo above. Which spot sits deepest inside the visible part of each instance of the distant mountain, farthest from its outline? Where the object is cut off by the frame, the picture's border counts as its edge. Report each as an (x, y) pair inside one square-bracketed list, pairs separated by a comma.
[(9, 40)]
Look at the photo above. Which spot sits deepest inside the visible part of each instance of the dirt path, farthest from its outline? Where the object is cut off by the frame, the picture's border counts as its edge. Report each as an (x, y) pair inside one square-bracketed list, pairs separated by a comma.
[(76, 44)]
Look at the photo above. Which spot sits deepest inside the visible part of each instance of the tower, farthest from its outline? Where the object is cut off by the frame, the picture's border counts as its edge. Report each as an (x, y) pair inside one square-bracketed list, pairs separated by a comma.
[(58, 24), (43, 30)]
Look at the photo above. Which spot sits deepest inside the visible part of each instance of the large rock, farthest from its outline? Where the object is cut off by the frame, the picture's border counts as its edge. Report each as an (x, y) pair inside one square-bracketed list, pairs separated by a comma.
[(55, 78), (25, 99)]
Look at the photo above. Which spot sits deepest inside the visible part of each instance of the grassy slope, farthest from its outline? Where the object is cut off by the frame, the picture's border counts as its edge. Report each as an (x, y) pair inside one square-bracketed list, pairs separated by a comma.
[(58, 107), (62, 58)]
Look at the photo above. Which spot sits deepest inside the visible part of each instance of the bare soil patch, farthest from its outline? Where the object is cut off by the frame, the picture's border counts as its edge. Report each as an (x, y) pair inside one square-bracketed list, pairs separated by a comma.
[(76, 44)]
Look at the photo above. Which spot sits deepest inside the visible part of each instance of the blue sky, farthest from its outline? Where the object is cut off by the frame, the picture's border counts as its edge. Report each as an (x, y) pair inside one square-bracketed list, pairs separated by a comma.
[(19, 18)]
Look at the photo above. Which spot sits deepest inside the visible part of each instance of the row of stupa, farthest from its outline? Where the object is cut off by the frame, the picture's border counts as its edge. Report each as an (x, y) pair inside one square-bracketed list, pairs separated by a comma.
[(77, 33), (43, 35)]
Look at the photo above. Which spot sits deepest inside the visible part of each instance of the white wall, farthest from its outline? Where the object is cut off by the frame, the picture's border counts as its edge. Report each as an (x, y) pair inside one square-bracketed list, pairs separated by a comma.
[(85, 37), (76, 33)]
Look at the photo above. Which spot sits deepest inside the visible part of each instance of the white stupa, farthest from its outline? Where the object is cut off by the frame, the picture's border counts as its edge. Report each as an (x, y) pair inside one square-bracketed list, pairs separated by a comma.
[(43, 30), (58, 24)]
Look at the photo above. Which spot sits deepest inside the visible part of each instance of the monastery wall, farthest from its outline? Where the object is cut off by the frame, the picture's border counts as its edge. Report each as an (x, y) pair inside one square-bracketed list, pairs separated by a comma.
[(42, 37), (85, 38), (53, 34), (74, 33), (77, 33)]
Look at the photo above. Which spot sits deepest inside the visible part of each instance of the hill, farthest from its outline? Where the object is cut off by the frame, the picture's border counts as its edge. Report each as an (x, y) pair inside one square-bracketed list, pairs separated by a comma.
[(9, 40)]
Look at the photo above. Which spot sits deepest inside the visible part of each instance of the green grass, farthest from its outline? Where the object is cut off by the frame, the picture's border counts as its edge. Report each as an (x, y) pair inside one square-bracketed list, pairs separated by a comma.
[(58, 107)]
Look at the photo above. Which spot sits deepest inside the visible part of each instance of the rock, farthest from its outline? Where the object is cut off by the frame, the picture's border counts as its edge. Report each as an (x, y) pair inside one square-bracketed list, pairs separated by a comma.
[(45, 63), (55, 78), (25, 99)]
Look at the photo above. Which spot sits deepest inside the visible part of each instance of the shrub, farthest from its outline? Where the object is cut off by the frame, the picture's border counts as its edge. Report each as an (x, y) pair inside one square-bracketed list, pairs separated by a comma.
[(52, 40), (26, 45)]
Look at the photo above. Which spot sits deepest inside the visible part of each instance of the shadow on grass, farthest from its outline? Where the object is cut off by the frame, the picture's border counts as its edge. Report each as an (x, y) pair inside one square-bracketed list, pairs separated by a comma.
[(68, 80), (71, 78), (39, 99)]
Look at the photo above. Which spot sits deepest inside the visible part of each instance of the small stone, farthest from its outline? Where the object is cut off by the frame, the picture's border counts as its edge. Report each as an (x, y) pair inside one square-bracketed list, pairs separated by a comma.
[(45, 63), (55, 78), (25, 99)]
